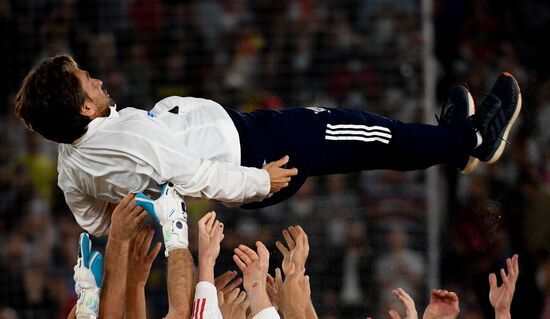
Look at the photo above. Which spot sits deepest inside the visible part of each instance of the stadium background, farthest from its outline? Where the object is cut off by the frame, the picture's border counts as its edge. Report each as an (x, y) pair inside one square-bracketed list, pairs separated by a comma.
[(369, 232)]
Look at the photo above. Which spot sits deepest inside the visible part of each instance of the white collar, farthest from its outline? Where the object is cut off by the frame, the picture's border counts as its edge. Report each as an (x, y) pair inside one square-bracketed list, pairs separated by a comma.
[(95, 125)]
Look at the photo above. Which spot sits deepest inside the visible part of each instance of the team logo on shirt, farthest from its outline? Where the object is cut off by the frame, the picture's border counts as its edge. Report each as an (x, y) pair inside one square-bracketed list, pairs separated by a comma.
[(317, 110)]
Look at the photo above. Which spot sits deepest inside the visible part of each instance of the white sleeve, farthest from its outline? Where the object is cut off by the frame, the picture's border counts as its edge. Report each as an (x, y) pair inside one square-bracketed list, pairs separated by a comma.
[(90, 213), (205, 305), (194, 176), (267, 313)]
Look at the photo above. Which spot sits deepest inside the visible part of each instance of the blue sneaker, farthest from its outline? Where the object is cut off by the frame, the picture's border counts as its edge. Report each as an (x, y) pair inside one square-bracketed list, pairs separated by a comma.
[(460, 106), (170, 212), (495, 117)]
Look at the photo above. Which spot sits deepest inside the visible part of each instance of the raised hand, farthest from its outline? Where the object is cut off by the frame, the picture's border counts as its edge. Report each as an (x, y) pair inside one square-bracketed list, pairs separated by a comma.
[(139, 261), (140, 257), (293, 294), (298, 247), (233, 305), (443, 305), (253, 265), (408, 303), (126, 219), (225, 282), (501, 297), (210, 237)]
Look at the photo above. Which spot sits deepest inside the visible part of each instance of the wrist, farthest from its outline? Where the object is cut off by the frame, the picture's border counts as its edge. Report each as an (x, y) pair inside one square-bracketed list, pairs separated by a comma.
[(133, 284), (502, 314), (206, 275), (259, 300), (255, 287), (117, 238), (294, 312), (207, 262)]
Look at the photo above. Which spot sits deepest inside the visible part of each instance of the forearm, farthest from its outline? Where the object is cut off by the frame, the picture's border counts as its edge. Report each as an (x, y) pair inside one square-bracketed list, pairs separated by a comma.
[(72, 314), (181, 283), (135, 301), (294, 314), (310, 311), (206, 269), (226, 183), (259, 300), (113, 293)]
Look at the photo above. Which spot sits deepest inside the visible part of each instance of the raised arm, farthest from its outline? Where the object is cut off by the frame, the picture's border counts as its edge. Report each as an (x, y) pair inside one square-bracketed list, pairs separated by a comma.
[(296, 251), (140, 261), (254, 265), (210, 237), (169, 211), (126, 221), (501, 296)]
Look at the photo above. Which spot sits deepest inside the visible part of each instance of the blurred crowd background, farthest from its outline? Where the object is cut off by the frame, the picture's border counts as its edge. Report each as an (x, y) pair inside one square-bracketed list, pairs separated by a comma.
[(368, 231)]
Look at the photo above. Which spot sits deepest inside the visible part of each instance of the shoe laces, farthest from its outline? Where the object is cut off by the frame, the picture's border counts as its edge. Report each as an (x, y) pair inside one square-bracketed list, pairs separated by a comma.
[(486, 112), (444, 114)]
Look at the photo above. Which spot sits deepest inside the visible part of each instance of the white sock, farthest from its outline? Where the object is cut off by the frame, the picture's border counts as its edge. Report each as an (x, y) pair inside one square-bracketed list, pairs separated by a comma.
[(175, 235), (479, 139)]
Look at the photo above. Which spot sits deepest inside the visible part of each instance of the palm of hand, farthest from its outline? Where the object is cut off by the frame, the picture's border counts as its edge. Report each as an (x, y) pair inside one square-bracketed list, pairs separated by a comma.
[(208, 246), (296, 256), (298, 247), (441, 309), (443, 306), (255, 273), (500, 297), (232, 310)]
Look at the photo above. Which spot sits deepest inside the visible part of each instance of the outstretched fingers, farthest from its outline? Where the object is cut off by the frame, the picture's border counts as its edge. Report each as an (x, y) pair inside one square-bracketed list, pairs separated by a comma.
[(407, 301), (289, 240), (513, 269), (210, 222), (239, 262), (263, 252), (222, 280), (205, 220)]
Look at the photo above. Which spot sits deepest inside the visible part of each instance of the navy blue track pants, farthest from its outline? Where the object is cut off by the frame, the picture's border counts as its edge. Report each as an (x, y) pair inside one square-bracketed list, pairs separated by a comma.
[(323, 141)]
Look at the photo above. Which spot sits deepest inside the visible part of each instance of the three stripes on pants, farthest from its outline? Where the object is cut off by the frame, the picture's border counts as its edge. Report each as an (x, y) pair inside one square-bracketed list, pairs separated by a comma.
[(356, 132)]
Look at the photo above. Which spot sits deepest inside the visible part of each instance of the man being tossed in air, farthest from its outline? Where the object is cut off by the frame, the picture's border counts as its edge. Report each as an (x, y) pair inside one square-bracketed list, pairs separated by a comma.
[(237, 158)]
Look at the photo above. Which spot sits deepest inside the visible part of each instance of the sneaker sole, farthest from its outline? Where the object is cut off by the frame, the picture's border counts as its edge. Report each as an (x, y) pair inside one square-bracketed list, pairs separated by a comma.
[(472, 161), (504, 137)]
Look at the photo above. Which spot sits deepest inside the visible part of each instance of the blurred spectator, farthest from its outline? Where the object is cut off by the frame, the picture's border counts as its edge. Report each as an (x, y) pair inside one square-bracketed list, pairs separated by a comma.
[(399, 267), (274, 54)]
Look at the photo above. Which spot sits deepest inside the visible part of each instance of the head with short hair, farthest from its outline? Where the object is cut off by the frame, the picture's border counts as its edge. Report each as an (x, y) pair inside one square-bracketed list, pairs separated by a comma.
[(56, 97)]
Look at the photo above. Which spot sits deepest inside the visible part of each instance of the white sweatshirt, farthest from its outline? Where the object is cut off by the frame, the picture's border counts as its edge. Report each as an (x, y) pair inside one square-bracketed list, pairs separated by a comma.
[(197, 149), (205, 305)]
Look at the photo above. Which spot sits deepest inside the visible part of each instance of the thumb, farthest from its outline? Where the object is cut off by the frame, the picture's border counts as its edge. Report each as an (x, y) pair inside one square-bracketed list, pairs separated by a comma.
[(492, 281), (221, 299), (282, 161), (394, 314)]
